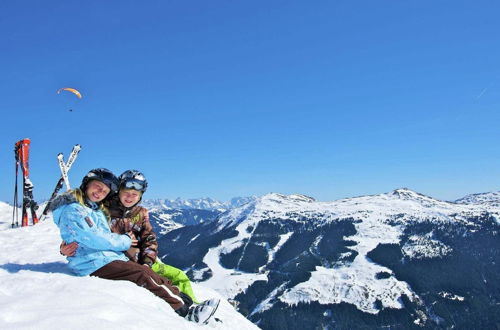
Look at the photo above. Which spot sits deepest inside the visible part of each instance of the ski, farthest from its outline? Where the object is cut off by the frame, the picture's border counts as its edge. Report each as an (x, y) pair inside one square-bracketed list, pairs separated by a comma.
[(72, 157), (64, 172), (65, 167), (15, 213), (214, 304), (21, 152)]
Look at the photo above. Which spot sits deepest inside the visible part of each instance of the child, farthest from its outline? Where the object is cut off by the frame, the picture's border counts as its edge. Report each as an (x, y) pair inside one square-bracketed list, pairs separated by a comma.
[(81, 218), (128, 217)]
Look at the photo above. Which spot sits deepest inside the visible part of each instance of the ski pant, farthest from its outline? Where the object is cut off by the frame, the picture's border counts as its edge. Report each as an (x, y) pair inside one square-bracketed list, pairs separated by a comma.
[(176, 276), (145, 277)]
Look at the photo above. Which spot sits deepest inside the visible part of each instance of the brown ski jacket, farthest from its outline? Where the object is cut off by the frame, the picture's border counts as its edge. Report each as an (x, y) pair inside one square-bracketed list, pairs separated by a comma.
[(135, 222)]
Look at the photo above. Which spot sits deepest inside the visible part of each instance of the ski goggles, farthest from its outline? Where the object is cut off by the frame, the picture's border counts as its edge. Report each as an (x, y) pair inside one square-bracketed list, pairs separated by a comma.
[(133, 184)]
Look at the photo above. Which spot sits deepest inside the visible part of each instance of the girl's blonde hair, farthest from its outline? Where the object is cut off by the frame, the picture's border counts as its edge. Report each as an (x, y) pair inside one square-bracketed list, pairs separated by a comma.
[(80, 197)]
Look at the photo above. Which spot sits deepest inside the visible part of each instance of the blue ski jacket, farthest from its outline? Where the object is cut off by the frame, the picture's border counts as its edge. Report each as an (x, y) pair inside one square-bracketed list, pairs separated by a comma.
[(97, 245)]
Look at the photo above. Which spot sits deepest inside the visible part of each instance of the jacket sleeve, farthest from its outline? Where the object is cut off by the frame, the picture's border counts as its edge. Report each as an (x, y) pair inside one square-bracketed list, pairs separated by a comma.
[(82, 229), (148, 244)]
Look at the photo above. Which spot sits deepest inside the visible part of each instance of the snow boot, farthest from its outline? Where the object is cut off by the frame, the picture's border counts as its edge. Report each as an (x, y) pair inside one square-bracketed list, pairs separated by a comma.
[(203, 312)]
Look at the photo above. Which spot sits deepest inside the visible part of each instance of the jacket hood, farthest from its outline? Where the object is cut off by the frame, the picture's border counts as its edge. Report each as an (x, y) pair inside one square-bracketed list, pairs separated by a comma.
[(61, 200)]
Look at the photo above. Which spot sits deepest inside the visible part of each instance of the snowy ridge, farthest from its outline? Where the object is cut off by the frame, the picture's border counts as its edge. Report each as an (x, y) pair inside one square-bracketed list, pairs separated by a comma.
[(490, 198), (382, 219), (195, 203), (200, 203), (412, 204), (38, 292)]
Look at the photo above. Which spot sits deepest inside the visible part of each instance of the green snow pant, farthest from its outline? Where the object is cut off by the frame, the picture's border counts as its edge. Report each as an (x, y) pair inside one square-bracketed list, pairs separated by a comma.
[(176, 276)]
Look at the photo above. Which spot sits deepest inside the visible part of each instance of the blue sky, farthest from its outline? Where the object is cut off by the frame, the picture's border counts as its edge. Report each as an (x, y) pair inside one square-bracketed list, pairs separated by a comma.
[(330, 99)]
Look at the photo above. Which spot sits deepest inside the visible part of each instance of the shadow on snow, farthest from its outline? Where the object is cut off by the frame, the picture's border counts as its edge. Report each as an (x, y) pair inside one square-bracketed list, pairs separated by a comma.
[(50, 267)]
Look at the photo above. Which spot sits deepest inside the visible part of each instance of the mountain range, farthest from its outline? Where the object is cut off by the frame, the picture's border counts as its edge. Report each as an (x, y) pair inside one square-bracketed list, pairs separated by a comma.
[(167, 215), (399, 260), (209, 204)]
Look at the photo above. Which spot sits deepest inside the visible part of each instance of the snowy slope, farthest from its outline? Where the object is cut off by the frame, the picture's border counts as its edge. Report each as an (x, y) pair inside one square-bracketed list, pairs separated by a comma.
[(38, 292), (6, 216)]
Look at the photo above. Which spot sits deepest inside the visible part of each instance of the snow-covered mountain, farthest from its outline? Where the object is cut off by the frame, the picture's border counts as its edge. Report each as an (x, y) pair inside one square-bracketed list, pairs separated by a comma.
[(198, 203), (490, 198), (165, 220), (38, 292), (167, 215), (399, 259)]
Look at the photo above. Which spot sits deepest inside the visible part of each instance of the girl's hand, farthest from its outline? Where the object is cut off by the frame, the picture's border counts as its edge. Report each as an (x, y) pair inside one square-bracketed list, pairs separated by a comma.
[(68, 250)]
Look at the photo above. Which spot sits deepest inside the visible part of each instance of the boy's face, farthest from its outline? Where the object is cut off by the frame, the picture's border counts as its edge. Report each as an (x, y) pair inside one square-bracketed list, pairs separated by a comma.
[(129, 197)]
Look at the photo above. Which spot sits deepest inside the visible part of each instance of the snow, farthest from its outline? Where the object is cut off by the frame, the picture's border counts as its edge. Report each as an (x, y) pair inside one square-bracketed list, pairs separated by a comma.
[(491, 198), (272, 252), (37, 290), (451, 296), (167, 225), (6, 216), (423, 247), (192, 239), (229, 282), (269, 301), (356, 283)]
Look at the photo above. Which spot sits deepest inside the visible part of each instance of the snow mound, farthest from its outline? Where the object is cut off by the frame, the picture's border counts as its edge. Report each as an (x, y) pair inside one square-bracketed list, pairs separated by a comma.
[(37, 291), (6, 216)]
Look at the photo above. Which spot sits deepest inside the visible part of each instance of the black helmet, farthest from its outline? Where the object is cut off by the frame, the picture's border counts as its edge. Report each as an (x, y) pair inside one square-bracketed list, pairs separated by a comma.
[(103, 175), (133, 179)]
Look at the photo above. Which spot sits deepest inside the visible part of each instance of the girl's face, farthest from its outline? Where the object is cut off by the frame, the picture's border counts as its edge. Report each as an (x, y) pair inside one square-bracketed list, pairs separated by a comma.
[(129, 197), (96, 191)]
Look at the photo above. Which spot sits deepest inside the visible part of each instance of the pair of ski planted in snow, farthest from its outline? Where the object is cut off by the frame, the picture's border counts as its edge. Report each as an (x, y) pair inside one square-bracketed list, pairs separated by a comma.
[(64, 167), (21, 152)]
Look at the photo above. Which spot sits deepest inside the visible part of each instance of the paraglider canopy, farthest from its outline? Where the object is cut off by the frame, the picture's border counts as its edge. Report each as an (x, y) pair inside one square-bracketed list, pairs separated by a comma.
[(72, 90)]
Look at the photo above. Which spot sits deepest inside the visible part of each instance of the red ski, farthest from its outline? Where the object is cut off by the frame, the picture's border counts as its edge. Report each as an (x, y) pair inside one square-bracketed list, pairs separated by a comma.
[(21, 152)]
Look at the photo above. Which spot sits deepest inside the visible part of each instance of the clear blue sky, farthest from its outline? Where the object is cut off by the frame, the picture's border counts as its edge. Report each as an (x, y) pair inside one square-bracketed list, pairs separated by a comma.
[(233, 98)]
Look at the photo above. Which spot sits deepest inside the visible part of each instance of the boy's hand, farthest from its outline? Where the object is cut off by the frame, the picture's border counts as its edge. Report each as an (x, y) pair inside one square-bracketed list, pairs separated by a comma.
[(135, 242)]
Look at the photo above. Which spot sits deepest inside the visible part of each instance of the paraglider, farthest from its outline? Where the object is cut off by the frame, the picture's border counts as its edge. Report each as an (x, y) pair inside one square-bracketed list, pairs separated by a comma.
[(72, 90)]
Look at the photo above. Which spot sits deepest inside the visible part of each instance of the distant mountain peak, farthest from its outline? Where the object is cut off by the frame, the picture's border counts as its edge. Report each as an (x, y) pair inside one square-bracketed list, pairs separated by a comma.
[(205, 203), (280, 198), (489, 198), (405, 193)]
